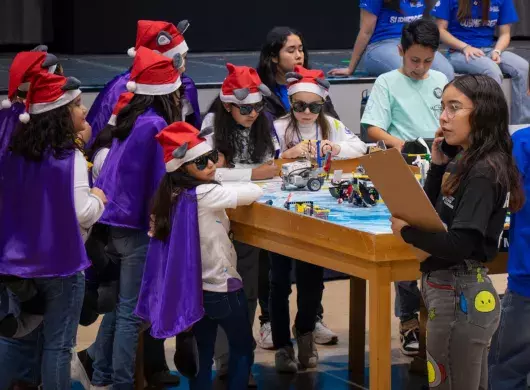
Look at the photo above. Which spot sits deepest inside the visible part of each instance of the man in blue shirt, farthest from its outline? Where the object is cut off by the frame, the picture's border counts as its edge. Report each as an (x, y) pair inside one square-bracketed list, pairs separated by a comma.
[(509, 357)]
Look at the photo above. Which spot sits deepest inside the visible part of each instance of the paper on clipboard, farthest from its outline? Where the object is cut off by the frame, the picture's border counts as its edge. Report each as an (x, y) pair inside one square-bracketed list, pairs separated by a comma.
[(401, 192)]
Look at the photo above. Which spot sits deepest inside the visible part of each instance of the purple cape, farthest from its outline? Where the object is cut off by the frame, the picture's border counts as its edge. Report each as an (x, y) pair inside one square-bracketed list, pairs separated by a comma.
[(8, 123), (102, 108), (40, 235), (132, 172), (171, 293)]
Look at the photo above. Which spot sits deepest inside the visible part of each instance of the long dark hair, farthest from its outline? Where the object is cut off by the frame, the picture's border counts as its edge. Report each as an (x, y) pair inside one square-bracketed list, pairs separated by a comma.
[(292, 134), (490, 139), (164, 105), (103, 140), (274, 42), (52, 131), (464, 10), (168, 193), (228, 138)]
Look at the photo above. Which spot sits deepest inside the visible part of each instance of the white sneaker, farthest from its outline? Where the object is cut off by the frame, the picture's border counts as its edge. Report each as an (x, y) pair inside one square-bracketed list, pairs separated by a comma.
[(78, 373), (323, 335), (265, 336)]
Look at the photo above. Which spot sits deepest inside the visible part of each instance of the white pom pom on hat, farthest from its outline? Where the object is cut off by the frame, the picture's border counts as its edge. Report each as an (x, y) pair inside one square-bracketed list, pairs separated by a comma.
[(24, 118), (131, 86), (6, 103), (131, 52)]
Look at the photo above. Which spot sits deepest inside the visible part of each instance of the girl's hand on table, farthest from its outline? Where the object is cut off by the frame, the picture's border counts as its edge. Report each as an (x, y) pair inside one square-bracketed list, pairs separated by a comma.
[(396, 225)]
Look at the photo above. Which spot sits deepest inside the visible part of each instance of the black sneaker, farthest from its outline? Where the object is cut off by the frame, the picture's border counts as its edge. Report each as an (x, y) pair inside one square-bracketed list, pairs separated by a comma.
[(410, 337)]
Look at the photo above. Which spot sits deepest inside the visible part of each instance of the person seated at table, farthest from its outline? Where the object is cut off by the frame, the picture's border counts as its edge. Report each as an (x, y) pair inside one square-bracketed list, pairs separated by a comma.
[(468, 28), (376, 46), (243, 135), (471, 194), (509, 356), (393, 116), (305, 122)]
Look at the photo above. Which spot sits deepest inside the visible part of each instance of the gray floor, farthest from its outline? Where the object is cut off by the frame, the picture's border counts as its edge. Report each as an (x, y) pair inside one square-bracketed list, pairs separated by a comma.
[(96, 70)]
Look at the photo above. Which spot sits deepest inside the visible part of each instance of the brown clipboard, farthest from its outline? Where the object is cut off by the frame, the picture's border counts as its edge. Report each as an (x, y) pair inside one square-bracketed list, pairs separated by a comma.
[(401, 192)]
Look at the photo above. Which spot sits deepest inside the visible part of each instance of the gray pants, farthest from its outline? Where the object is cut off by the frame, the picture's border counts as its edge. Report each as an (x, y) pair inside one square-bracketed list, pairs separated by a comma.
[(247, 267), (463, 313)]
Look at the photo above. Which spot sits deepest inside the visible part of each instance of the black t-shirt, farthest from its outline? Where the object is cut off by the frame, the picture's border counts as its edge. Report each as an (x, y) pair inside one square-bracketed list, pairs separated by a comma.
[(474, 215)]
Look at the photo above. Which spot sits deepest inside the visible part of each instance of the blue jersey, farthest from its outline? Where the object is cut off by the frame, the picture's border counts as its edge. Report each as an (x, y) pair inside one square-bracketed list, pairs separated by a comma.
[(473, 31), (389, 21)]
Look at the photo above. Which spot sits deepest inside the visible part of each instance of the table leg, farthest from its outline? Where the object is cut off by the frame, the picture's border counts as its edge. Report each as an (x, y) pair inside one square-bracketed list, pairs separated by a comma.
[(356, 346), (380, 334), (139, 380)]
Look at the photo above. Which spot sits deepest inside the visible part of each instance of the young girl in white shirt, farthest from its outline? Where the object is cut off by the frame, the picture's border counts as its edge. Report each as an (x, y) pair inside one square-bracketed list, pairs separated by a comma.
[(191, 245)]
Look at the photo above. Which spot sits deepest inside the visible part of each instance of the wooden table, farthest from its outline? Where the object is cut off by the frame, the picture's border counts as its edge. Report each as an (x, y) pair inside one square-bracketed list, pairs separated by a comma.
[(377, 258)]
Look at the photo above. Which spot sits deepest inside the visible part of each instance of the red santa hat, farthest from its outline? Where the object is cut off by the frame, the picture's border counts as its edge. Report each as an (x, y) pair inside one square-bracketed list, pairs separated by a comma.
[(154, 74), (24, 67), (162, 37), (242, 86), (182, 143), (307, 80), (124, 99), (49, 91)]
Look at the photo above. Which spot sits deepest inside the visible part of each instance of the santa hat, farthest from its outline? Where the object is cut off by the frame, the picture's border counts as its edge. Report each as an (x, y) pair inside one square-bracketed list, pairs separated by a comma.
[(242, 86), (25, 66), (124, 99), (182, 143), (162, 37), (154, 74), (48, 92), (306, 80)]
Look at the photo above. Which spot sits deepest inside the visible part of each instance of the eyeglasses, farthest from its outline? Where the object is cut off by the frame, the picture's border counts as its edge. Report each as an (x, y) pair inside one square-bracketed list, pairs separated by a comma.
[(314, 107), (246, 109), (451, 110), (201, 162)]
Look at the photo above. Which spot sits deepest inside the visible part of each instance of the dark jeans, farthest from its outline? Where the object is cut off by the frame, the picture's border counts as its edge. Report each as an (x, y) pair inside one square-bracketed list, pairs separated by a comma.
[(309, 281), (407, 304), (49, 346), (154, 355), (509, 356), (264, 289), (230, 311)]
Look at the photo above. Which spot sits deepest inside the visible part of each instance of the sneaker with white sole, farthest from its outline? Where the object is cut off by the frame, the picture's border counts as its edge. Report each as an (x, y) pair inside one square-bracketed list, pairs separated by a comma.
[(265, 336), (410, 337), (323, 335), (78, 373)]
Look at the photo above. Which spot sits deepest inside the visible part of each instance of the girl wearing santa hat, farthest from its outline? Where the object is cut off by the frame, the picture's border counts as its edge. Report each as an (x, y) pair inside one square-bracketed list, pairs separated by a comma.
[(191, 244), (45, 198), (244, 137), (130, 175), (306, 121), (163, 38)]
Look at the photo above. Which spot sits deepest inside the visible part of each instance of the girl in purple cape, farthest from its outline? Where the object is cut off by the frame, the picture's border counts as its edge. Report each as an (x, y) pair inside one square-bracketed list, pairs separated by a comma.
[(166, 39), (190, 277), (45, 200)]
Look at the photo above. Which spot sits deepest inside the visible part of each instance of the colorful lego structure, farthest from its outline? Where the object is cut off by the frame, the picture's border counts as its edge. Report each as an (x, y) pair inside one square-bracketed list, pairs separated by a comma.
[(308, 208)]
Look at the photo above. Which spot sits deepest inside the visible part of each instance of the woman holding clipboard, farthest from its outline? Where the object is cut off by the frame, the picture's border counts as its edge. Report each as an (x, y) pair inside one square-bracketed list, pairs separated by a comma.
[(471, 194)]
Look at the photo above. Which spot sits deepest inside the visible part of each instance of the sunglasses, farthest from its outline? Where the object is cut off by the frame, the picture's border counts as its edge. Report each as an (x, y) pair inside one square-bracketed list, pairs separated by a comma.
[(246, 109), (201, 162), (314, 107)]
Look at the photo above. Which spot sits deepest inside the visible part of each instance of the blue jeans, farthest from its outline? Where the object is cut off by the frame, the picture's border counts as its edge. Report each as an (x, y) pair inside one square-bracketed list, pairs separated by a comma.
[(509, 357), (383, 56), (407, 304), (117, 339), (512, 64), (50, 345), (230, 311)]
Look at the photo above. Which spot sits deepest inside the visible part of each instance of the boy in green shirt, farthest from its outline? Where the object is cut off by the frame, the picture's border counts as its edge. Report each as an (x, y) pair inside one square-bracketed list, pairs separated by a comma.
[(403, 106)]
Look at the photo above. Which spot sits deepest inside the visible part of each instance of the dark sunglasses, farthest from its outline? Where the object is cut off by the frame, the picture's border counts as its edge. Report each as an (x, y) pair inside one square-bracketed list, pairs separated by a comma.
[(201, 162), (314, 107), (246, 109)]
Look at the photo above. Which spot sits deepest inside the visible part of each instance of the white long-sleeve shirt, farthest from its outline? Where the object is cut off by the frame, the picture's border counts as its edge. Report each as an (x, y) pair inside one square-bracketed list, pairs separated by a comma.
[(218, 256), (350, 145), (88, 207), (99, 159), (242, 171)]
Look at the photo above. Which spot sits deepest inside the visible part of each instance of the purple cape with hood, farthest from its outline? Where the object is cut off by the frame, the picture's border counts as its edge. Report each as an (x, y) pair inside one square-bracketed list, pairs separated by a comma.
[(132, 172), (102, 108), (8, 124), (171, 293), (39, 231)]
